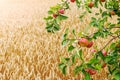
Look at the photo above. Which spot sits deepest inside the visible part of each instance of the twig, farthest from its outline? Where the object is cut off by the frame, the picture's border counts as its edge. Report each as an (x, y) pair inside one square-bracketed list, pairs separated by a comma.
[(114, 27), (109, 42)]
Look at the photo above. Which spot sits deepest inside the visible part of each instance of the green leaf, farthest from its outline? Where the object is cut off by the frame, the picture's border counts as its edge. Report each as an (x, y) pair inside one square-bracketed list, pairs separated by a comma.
[(117, 76), (101, 55), (93, 19), (48, 18), (64, 42), (64, 60), (100, 3), (87, 75), (96, 3), (78, 69), (78, 2), (108, 59), (98, 67), (73, 31), (66, 31), (88, 9), (61, 17), (100, 10), (70, 48), (61, 65), (73, 59), (63, 68), (97, 14), (104, 14), (79, 54), (112, 46), (65, 34), (56, 27), (50, 12), (94, 61)]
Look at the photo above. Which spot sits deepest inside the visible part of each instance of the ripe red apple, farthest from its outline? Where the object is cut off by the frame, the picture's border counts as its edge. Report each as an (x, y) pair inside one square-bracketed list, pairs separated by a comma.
[(61, 11), (90, 44), (83, 42), (55, 15), (93, 50), (104, 65), (91, 4), (91, 71), (112, 13), (102, 0), (104, 53), (72, 1)]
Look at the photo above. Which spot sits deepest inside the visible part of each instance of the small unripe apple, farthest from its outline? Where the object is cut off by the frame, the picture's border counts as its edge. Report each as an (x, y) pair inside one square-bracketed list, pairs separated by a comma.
[(104, 53), (102, 0), (112, 13), (91, 4), (91, 71), (55, 15), (83, 42), (72, 1), (104, 65), (90, 44), (61, 11), (93, 50)]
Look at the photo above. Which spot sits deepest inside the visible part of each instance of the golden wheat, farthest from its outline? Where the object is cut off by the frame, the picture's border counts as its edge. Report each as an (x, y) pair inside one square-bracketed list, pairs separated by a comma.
[(27, 51)]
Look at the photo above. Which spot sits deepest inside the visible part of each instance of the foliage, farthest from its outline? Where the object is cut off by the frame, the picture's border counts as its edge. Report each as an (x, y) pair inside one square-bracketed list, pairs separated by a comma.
[(110, 53)]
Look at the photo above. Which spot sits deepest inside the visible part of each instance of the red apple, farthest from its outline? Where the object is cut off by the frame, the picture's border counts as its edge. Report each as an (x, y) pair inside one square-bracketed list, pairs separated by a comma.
[(90, 44), (61, 11), (72, 1), (93, 50), (91, 4), (102, 0), (112, 13), (91, 71), (104, 53), (55, 15), (104, 65), (83, 42)]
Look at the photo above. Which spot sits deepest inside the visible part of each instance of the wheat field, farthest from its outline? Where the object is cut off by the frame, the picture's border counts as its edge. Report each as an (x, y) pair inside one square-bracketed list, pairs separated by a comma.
[(27, 51)]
